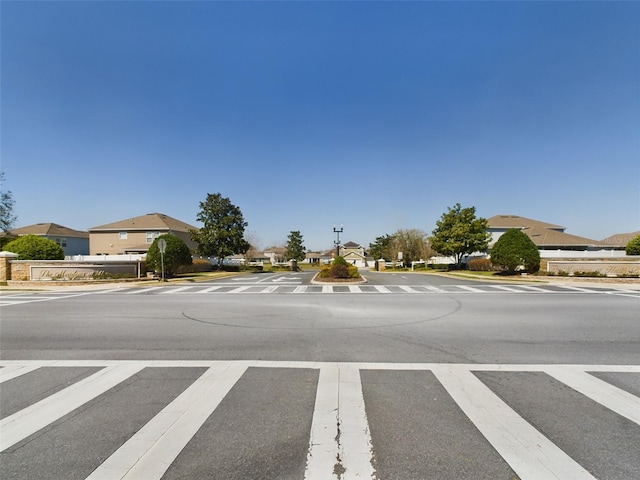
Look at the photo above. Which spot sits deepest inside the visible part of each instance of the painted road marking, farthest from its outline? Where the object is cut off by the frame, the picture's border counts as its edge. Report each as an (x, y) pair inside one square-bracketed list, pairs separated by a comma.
[(529, 453), (152, 450), (21, 424), (286, 288), (470, 289), (382, 289), (339, 439)]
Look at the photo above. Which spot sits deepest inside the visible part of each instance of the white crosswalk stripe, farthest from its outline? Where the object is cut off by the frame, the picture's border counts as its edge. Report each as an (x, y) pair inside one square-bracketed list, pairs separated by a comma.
[(20, 425), (221, 289), (340, 445), (150, 452)]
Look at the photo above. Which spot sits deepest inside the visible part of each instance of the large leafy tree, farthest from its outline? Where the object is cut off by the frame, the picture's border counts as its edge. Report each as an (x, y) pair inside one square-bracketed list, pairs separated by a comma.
[(459, 233), (176, 254), (413, 243), (295, 246), (633, 247), (35, 247), (513, 250), (7, 218), (223, 231), (382, 247)]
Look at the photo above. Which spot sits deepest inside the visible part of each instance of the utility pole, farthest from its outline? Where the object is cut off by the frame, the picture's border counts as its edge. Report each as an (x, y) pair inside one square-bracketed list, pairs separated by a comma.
[(337, 240)]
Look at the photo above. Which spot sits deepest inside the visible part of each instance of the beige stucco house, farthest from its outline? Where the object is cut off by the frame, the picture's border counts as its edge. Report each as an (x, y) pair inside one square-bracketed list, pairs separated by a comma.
[(135, 235), (354, 254)]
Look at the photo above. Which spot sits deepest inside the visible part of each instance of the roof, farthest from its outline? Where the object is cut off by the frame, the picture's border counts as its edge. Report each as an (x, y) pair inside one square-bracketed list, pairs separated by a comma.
[(49, 229), (351, 245), (543, 234), (546, 237), (516, 221), (620, 239), (150, 221)]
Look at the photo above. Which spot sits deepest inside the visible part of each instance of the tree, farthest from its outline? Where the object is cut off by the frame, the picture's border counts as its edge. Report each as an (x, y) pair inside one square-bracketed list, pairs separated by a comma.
[(253, 241), (35, 247), (413, 243), (176, 254), (382, 247), (7, 218), (459, 233), (514, 249), (633, 247), (295, 246), (223, 231)]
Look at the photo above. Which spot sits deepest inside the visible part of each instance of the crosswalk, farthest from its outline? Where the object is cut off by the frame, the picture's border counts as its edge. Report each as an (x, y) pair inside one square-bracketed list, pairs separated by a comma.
[(235, 289), (346, 427)]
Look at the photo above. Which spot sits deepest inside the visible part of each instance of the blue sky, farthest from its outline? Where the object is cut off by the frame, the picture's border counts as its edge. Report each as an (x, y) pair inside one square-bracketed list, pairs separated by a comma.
[(375, 115)]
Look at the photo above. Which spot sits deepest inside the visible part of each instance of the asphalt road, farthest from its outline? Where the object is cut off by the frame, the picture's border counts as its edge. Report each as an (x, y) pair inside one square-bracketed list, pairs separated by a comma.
[(269, 376)]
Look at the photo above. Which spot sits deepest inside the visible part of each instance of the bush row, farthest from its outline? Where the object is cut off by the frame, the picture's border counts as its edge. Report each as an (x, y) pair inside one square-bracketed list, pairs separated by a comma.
[(339, 269)]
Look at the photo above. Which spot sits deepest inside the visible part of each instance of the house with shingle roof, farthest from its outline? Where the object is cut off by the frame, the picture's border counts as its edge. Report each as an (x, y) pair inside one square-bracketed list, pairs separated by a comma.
[(73, 242), (546, 236), (619, 240), (135, 235), (354, 254)]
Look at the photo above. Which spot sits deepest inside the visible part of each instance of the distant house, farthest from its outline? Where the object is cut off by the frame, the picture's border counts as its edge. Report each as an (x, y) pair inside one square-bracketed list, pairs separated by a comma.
[(354, 254), (135, 235), (546, 236), (619, 240), (73, 242)]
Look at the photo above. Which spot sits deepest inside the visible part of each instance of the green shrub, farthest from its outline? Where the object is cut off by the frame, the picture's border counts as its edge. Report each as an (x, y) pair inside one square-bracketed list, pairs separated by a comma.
[(589, 274), (633, 247), (439, 266), (325, 272), (514, 250), (340, 261), (35, 247), (176, 254), (353, 272), (480, 265)]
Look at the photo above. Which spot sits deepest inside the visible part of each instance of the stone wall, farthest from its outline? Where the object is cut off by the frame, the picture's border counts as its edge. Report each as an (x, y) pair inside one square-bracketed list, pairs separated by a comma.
[(613, 268), (63, 270)]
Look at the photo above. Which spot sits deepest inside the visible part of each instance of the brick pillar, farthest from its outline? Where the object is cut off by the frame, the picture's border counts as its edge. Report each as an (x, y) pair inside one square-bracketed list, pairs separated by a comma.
[(5, 265)]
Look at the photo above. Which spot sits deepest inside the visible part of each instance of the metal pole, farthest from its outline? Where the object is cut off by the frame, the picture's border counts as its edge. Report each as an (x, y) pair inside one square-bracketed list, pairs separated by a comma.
[(162, 263), (337, 241)]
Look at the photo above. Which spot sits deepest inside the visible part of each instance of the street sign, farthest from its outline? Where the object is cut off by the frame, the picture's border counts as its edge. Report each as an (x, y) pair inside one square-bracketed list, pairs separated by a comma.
[(162, 244)]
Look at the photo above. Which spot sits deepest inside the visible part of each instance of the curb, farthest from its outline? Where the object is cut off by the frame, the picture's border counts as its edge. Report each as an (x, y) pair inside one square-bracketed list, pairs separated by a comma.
[(355, 282)]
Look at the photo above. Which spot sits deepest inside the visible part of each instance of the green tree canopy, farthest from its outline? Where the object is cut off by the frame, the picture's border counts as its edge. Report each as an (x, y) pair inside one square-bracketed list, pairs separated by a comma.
[(514, 249), (633, 247), (295, 246), (382, 248), (223, 231), (35, 247), (459, 233), (176, 254), (7, 218)]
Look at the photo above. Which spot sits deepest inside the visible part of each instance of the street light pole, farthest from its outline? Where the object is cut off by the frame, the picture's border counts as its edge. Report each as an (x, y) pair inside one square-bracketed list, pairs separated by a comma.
[(337, 241)]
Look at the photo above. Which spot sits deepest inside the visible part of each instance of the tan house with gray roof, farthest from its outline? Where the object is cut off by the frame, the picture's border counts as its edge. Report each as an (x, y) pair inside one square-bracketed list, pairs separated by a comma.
[(135, 235)]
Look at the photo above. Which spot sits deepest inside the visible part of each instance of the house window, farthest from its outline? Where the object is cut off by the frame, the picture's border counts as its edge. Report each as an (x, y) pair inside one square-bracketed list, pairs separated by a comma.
[(151, 236), (61, 241), (123, 235)]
